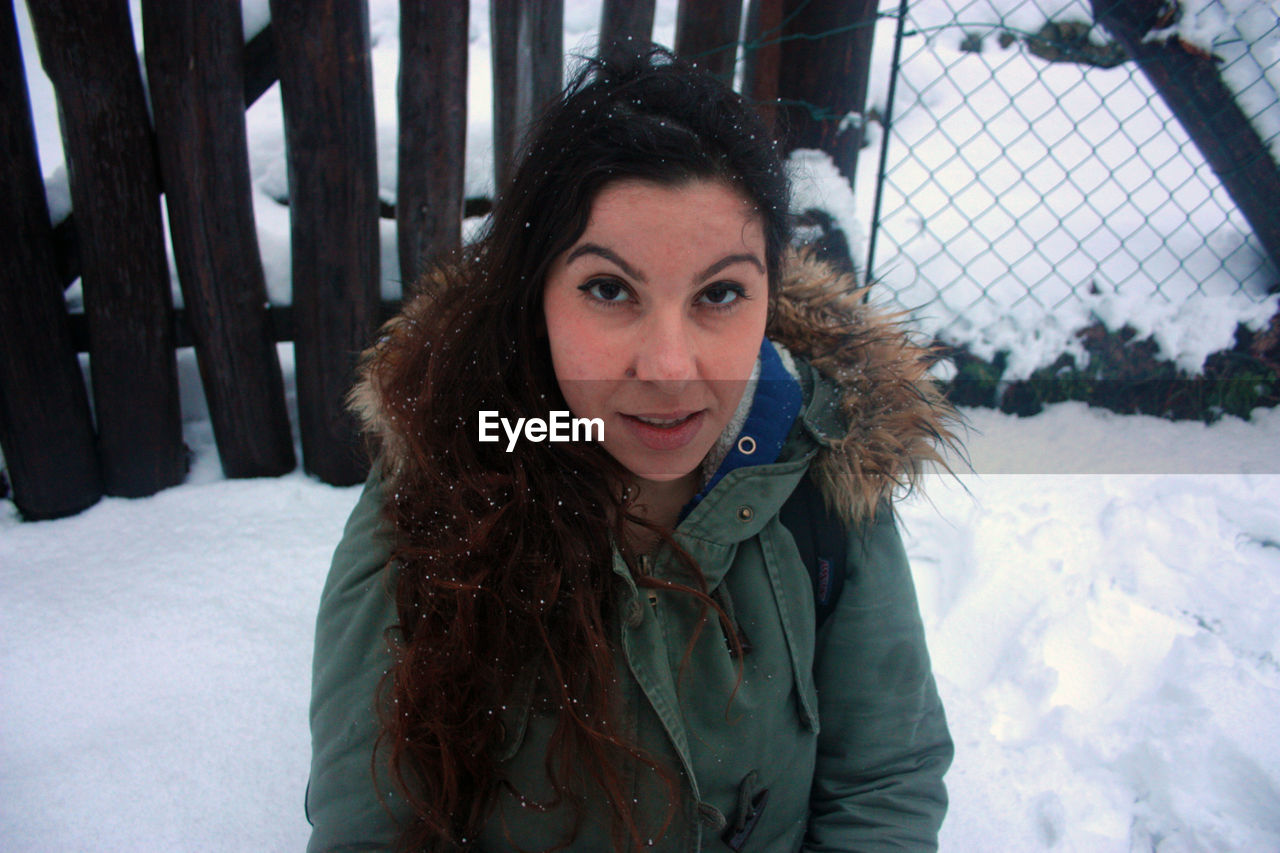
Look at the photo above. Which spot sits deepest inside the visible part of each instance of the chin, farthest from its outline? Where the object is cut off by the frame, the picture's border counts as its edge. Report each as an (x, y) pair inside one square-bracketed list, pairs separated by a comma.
[(665, 476), (661, 471)]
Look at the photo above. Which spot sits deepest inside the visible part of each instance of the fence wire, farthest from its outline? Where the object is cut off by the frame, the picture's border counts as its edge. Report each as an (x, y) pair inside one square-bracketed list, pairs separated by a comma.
[(1032, 171)]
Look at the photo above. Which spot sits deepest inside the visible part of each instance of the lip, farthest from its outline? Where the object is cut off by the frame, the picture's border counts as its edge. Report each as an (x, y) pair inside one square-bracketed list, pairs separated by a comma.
[(665, 437)]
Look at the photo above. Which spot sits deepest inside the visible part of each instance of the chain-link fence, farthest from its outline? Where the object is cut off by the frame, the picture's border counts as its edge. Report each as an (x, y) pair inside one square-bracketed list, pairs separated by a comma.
[(1034, 181)]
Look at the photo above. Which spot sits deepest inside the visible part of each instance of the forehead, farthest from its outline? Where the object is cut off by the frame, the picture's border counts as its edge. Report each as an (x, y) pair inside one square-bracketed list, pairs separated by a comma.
[(637, 209)]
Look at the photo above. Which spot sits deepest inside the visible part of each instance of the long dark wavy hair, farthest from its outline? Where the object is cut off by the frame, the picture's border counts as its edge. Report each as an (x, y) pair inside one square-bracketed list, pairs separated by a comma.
[(502, 560)]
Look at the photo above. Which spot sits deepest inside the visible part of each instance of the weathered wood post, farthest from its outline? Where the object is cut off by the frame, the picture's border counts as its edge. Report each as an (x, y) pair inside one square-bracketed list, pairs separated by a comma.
[(621, 20), (260, 67), (88, 52), (259, 75), (822, 76), (707, 34), (195, 67), (1190, 84), (326, 84), (528, 72), (45, 429), (432, 96), (761, 53)]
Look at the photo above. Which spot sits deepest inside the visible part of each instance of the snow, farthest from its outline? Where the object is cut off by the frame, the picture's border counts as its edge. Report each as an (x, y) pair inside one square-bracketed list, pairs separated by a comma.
[(1027, 200), (1099, 591), (1106, 647), (816, 183), (1245, 36), (156, 667)]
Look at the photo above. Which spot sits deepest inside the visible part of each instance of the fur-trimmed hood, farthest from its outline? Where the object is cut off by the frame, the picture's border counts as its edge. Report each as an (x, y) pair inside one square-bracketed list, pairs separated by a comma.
[(895, 419), (892, 418)]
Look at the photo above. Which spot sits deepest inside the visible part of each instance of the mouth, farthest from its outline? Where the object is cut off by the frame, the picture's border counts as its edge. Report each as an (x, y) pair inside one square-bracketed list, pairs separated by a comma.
[(665, 430), (662, 421)]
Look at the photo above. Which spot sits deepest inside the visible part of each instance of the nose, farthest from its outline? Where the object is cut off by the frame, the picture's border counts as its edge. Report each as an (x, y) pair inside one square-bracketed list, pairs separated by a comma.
[(665, 353)]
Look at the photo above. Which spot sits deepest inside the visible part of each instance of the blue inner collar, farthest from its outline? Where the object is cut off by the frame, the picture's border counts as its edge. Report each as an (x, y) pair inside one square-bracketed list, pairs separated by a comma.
[(777, 401)]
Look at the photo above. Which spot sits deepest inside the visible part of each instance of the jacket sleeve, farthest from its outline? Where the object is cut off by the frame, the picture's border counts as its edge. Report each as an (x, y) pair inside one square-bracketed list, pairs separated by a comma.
[(351, 657), (883, 744)]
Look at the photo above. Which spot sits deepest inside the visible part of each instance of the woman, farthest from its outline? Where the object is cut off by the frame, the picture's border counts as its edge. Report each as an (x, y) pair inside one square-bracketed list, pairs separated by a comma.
[(613, 644)]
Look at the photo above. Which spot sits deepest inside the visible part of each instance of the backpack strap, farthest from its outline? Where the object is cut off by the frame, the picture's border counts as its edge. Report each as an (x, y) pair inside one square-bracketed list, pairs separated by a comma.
[(823, 542)]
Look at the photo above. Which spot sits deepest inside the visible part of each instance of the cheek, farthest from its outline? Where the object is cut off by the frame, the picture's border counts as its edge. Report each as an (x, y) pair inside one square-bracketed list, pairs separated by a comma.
[(583, 352), (738, 352), (573, 344), (563, 333), (584, 392), (584, 398)]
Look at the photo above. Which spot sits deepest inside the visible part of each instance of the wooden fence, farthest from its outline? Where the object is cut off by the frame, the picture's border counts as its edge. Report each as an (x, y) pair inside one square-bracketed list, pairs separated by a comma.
[(61, 456)]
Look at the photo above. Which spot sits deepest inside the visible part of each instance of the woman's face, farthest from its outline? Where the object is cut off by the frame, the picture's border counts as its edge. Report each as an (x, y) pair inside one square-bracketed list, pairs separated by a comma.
[(655, 317)]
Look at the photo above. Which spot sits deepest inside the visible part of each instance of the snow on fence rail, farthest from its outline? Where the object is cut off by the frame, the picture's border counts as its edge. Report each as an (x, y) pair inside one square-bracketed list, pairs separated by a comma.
[(963, 231)]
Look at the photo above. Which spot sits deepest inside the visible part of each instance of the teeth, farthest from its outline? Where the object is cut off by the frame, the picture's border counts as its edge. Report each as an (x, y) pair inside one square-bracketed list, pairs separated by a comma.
[(661, 422)]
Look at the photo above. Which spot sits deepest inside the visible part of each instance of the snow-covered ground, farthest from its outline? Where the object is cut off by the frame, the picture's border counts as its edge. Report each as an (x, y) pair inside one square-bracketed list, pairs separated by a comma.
[(1099, 594)]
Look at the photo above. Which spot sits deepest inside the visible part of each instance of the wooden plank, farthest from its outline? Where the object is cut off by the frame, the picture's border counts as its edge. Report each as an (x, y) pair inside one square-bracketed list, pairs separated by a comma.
[(195, 62), (326, 83), (66, 251), (823, 73), (259, 75), (761, 56), (45, 428), (432, 97), (707, 34), (280, 323), (1188, 80), (623, 20), (528, 72), (260, 69), (88, 52)]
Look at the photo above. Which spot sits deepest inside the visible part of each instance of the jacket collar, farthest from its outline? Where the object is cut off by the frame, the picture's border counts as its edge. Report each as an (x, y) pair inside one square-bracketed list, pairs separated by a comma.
[(775, 397), (747, 491)]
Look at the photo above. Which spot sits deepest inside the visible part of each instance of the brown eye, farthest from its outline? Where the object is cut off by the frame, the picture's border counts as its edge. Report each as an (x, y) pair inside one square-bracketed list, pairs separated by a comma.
[(605, 289), (722, 295)]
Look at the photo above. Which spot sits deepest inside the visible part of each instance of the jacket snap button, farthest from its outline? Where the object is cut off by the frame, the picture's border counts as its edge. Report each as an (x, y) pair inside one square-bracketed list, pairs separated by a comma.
[(746, 513), (746, 445)]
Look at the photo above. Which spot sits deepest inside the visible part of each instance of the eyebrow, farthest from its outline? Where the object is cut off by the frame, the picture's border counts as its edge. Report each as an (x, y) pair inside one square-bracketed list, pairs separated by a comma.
[(728, 261), (612, 256), (608, 255)]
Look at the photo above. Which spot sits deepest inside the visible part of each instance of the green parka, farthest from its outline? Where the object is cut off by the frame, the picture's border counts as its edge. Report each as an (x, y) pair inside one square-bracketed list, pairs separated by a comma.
[(834, 740)]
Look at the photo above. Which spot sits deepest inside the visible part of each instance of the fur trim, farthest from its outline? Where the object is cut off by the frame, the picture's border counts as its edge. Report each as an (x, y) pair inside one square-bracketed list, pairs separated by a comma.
[(897, 419), (408, 330)]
